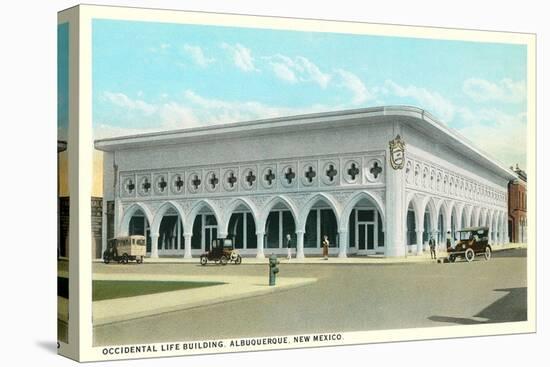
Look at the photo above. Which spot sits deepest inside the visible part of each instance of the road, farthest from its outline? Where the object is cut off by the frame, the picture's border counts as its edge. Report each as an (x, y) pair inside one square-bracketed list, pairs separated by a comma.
[(345, 298)]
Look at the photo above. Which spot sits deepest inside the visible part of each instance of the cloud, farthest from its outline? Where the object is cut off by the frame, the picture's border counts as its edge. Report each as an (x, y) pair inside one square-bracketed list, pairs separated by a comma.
[(215, 111), (313, 72), (297, 69), (198, 55), (428, 100), (500, 134), (189, 110), (242, 56), (355, 85), (506, 90), (122, 100)]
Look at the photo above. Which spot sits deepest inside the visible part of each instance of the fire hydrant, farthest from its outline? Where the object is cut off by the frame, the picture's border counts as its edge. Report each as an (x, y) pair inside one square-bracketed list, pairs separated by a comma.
[(273, 269)]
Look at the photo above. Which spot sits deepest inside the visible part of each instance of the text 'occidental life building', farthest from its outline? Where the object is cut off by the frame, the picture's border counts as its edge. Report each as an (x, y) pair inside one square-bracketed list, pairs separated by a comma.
[(376, 180)]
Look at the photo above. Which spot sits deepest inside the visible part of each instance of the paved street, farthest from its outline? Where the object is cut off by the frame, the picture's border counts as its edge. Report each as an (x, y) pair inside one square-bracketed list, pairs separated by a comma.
[(346, 297)]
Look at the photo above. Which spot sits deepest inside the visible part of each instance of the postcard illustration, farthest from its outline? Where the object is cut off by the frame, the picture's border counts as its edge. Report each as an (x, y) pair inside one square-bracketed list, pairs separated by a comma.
[(271, 187)]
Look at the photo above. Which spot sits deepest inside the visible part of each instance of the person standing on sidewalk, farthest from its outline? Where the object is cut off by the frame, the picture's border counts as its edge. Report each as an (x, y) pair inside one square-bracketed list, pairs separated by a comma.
[(288, 246), (431, 242), (325, 247)]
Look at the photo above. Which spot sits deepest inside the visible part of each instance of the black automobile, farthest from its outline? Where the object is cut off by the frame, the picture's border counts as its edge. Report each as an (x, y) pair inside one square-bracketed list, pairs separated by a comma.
[(221, 252), (471, 242)]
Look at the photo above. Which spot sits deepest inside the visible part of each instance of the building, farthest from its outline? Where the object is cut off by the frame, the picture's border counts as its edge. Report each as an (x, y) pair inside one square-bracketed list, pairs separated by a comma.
[(64, 210), (517, 207), (376, 180)]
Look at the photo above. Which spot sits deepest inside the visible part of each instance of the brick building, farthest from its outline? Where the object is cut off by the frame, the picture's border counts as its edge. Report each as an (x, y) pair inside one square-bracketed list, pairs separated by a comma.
[(517, 207)]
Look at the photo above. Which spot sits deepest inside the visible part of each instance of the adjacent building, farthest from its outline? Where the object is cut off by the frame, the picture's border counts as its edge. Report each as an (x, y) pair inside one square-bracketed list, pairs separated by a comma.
[(375, 181), (517, 206)]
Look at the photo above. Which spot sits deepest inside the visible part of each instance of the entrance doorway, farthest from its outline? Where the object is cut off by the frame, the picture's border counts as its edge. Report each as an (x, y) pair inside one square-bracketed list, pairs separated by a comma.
[(366, 231)]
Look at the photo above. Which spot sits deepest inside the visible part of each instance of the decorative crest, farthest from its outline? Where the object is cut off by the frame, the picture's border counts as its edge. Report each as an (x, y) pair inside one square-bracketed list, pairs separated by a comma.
[(397, 153)]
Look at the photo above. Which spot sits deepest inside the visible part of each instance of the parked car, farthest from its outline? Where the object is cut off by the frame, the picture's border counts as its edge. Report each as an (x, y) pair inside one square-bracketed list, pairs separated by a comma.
[(471, 242), (125, 249), (222, 251)]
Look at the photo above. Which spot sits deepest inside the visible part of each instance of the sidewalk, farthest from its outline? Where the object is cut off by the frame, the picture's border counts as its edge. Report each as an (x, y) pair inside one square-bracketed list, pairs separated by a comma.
[(353, 259), (236, 287)]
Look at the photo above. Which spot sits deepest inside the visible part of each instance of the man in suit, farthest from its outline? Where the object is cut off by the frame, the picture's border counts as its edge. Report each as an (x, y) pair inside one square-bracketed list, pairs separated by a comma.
[(431, 242)]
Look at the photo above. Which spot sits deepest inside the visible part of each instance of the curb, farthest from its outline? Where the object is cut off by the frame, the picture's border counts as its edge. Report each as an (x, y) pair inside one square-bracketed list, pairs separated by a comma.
[(208, 302)]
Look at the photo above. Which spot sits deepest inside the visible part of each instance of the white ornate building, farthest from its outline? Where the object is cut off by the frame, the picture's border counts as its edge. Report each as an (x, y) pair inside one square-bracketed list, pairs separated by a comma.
[(321, 174)]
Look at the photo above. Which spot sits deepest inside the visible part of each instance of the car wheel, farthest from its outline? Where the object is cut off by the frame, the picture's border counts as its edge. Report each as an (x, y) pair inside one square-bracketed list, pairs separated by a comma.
[(487, 254), (469, 255), (238, 260), (223, 260), (125, 258), (452, 258), (106, 260), (204, 260)]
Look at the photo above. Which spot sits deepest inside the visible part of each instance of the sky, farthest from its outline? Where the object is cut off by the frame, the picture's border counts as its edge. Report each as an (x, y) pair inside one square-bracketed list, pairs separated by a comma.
[(159, 76), (62, 80)]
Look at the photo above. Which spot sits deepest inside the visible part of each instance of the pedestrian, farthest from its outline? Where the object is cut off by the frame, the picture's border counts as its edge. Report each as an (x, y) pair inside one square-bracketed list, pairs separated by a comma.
[(431, 242), (325, 247), (288, 246), (449, 245)]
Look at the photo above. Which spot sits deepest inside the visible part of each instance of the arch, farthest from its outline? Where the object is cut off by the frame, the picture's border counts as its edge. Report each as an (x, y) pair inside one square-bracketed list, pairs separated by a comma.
[(414, 220), (474, 221), (204, 203), (129, 213), (279, 199), (352, 202), (482, 217), (466, 215), (430, 203), (234, 204), (327, 199), (440, 221), (428, 208), (491, 225), (413, 199), (155, 225)]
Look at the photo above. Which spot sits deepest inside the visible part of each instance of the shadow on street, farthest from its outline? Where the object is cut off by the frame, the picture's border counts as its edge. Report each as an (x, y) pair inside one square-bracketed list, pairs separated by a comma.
[(511, 307)]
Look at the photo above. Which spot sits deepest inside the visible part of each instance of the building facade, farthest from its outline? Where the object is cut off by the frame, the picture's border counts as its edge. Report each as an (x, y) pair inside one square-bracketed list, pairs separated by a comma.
[(517, 207), (375, 181)]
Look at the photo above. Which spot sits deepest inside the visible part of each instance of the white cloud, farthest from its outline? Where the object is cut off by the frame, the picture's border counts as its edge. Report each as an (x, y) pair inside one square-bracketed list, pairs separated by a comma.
[(502, 135), (313, 72), (506, 90), (355, 85), (242, 56), (198, 55), (122, 100), (431, 101), (297, 69), (190, 110), (215, 111)]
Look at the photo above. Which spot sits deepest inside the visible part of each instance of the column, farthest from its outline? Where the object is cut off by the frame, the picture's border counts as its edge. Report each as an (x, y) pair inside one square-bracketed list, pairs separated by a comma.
[(154, 245), (343, 236), (419, 241), (300, 244), (188, 238), (260, 243), (178, 234), (395, 211)]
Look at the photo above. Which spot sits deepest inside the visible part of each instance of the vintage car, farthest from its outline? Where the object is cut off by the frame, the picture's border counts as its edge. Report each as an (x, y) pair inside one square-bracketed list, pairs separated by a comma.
[(124, 249), (471, 242), (222, 251)]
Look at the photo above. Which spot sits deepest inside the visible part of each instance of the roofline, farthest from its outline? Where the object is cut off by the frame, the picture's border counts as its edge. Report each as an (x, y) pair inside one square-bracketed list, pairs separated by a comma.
[(265, 125)]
